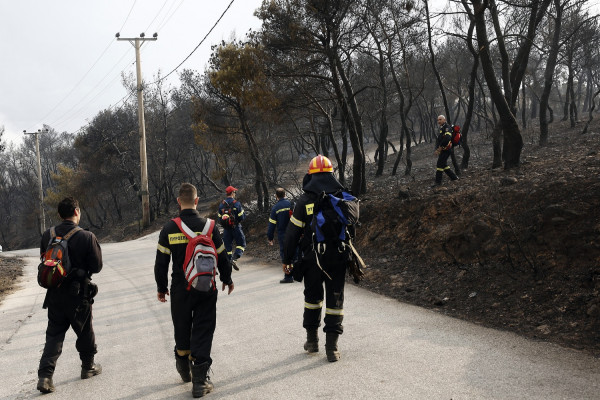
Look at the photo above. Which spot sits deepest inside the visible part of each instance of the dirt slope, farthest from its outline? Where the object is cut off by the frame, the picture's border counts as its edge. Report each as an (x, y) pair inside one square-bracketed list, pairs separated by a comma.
[(517, 250)]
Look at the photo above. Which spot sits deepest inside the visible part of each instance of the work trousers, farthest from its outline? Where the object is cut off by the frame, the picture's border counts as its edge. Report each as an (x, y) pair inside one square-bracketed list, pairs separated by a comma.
[(231, 234), (314, 279), (194, 317), (64, 311), (442, 166)]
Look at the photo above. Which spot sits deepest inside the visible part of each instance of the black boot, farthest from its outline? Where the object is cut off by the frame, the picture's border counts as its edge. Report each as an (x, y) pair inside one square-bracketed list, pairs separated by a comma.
[(331, 348), (89, 369), (312, 341), (45, 385), (182, 364), (200, 379)]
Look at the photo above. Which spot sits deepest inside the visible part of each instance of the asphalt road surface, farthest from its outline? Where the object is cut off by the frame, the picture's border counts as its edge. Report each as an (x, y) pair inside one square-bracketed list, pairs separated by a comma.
[(390, 350)]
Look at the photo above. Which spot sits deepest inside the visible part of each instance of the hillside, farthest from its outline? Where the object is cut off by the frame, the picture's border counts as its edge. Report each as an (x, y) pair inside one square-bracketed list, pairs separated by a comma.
[(516, 250)]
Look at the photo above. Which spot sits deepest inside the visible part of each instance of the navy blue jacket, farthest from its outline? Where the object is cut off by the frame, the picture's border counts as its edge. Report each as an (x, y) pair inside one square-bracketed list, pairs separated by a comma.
[(238, 210), (280, 217), (444, 137)]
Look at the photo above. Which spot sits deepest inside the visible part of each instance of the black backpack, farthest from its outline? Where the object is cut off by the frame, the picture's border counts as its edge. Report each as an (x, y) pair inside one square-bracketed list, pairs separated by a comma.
[(231, 220), (334, 217)]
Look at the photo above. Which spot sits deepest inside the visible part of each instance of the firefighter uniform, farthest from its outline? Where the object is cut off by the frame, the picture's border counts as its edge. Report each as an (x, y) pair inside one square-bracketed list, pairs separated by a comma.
[(70, 304), (299, 232), (444, 140), (233, 233), (279, 218), (193, 312)]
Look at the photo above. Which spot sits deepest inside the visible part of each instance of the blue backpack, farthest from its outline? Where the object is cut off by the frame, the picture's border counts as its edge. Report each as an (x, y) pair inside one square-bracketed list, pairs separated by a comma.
[(334, 217)]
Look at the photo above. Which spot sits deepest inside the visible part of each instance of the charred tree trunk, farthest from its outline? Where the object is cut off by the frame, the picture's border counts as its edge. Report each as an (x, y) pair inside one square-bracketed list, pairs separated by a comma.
[(549, 73)]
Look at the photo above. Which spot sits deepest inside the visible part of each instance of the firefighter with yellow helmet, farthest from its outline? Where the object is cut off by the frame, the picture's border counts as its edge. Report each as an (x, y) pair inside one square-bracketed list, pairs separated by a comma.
[(331, 274)]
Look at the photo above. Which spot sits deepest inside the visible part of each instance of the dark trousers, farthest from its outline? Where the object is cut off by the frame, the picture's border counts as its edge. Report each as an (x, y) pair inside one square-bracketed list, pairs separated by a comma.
[(66, 311), (194, 317), (280, 240), (314, 279), (231, 234), (442, 166)]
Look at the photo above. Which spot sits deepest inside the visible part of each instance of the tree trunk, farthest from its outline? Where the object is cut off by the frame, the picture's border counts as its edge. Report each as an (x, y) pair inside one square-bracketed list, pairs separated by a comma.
[(549, 73), (471, 103), (433, 66), (513, 142)]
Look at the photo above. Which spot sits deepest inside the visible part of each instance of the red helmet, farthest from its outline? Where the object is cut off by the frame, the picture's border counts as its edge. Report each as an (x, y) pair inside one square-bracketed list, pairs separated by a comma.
[(320, 164)]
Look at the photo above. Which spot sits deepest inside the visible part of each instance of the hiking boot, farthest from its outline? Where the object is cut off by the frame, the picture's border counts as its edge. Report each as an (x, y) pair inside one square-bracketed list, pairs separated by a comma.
[(201, 381), (331, 349), (312, 341), (89, 369), (287, 280), (182, 364), (45, 385), (234, 265)]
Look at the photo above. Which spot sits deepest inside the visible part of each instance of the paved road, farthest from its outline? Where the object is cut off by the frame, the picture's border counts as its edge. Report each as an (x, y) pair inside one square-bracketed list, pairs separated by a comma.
[(390, 350)]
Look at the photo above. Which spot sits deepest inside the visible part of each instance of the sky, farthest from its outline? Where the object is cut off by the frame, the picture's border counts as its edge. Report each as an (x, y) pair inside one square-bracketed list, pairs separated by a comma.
[(60, 63)]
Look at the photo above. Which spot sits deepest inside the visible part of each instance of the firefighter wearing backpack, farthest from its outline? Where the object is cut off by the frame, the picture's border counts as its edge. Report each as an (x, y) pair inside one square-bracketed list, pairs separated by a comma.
[(443, 148), (193, 311), (70, 303), (231, 214), (331, 273)]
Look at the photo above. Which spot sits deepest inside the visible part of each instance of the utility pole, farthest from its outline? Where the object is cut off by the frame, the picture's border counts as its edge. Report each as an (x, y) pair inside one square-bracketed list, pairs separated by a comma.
[(41, 219), (137, 43)]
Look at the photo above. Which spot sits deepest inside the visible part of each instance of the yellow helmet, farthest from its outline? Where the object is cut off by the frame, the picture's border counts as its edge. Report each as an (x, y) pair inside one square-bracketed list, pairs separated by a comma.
[(320, 164)]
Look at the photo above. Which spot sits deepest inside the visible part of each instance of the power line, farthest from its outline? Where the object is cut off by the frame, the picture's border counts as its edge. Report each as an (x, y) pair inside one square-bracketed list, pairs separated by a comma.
[(156, 16), (69, 115), (126, 18), (88, 71), (199, 44), (165, 20), (66, 113)]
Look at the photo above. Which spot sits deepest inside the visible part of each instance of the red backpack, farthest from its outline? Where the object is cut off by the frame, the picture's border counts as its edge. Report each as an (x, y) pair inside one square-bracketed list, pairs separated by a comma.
[(200, 263), (456, 135)]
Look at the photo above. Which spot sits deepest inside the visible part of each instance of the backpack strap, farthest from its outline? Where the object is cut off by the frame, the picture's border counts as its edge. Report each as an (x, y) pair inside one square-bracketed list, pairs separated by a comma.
[(184, 228), (71, 232), (207, 230), (208, 227)]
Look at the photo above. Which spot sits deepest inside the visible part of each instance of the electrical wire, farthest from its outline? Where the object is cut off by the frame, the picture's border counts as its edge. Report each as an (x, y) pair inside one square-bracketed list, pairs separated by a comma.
[(88, 71), (127, 18), (199, 44), (69, 115), (61, 118)]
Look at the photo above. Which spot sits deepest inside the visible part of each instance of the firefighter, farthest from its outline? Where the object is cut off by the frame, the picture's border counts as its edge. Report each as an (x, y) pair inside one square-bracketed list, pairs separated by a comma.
[(231, 214), (70, 304), (194, 313), (319, 179), (443, 148), (279, 218)]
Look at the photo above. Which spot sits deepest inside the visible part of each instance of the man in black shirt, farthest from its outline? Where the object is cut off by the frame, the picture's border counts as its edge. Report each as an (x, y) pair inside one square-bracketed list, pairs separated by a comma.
[(194, 312), (70, 304)]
